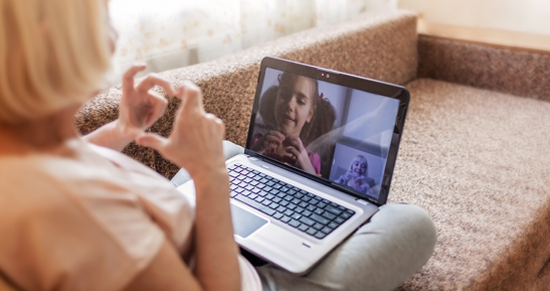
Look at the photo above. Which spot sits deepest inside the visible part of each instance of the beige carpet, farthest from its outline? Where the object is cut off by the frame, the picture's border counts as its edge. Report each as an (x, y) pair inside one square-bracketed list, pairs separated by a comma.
[(479, 163)]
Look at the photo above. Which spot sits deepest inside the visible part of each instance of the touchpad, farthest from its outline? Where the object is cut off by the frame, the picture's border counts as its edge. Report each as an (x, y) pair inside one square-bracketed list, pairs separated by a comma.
[(244, 222)]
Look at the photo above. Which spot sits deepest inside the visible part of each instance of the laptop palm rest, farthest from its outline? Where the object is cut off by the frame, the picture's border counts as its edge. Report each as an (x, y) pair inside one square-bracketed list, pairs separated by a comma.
[(244, 222)]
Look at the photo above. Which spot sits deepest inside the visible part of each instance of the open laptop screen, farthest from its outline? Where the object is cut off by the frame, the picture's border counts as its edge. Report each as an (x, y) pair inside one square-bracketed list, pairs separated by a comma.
[(339, 133)]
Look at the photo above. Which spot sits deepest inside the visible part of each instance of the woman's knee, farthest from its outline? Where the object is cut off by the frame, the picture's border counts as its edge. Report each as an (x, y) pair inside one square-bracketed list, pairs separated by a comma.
[(410, 224)]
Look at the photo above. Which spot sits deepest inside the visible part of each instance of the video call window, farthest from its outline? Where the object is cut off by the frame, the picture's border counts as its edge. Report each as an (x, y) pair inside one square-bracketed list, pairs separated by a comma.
[(325, 129)]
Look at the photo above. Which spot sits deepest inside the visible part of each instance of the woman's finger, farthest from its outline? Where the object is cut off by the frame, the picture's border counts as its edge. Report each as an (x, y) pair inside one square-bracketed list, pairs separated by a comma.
[(159, 108), (153, 80), (152, 140), (191, 98), (128, 77)]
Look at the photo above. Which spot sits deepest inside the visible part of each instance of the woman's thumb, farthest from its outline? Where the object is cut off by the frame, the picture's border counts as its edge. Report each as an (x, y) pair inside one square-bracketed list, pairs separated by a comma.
[(151, 140)]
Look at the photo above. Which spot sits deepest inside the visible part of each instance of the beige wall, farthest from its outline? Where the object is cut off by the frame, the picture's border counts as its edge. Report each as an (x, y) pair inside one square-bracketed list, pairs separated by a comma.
[(532, 16)]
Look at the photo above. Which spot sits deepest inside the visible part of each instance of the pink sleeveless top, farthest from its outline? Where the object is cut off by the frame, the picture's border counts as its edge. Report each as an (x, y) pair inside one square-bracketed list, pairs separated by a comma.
[(89, 218)]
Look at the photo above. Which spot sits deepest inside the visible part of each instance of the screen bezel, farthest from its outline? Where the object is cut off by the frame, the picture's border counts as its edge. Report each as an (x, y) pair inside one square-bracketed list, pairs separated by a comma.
[(347, 80)]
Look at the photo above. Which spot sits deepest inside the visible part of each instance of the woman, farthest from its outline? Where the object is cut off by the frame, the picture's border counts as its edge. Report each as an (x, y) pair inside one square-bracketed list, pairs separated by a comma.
[(87, 219), (78, 215)]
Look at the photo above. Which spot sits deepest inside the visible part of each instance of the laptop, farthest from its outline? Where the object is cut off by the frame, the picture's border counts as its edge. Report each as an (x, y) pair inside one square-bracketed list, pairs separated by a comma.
[(318, 161)]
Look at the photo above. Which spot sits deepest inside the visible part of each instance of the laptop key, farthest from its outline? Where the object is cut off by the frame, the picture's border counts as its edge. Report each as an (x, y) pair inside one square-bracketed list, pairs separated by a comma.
[(311, 208), (319, 219), (278, 215), (333, 225), (284, 203), (332, 209), (311, 231), (339, 220), (307, 221), (285, 219), (326, 230), (303, 227), (294, 223), (314, 201), (320, 235), (318, 226), (321, 205), (260, 199), (255, 204), (345, 215), (306, 213), (281, 209), (328, 215), (318, 211), (288, 212), (296, 216)]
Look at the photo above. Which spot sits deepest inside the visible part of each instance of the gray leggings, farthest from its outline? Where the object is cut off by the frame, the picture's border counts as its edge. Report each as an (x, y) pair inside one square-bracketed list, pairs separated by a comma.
[(396, 242), (381, 255)]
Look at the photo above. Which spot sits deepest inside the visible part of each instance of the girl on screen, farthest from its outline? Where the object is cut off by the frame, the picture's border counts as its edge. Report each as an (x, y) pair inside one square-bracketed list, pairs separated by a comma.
[(356, 177), (297, 114)]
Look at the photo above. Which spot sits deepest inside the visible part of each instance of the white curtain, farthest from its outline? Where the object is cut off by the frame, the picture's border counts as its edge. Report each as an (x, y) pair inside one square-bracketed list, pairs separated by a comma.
[(169, 34)]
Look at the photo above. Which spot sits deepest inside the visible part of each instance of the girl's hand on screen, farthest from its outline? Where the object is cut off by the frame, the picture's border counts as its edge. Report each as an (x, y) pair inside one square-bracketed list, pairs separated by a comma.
[(297, 148), (272, 140)]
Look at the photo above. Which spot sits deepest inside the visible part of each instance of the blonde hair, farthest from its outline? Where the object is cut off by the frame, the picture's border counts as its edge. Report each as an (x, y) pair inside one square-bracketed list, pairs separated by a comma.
[(53, 54)]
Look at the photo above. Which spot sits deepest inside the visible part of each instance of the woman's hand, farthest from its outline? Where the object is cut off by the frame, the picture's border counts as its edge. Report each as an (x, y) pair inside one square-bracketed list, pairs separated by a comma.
[(297, 148), (196, 139), (271, 141), (139, 107)]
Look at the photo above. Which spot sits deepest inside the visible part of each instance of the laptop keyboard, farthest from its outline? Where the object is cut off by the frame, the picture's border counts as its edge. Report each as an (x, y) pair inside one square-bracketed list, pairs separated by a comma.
[(298, 208)]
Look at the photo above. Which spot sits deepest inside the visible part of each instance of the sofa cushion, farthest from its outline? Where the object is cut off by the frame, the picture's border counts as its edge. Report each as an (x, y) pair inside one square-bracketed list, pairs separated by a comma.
[(479, 162)]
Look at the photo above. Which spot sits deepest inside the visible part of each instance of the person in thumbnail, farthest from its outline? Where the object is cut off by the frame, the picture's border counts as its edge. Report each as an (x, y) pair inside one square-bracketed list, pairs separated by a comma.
[(298, 115), (356, 177)]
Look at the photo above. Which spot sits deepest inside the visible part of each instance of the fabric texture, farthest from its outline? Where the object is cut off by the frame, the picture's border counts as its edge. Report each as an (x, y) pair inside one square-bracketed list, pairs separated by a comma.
[(396, 242), (90, 219)]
